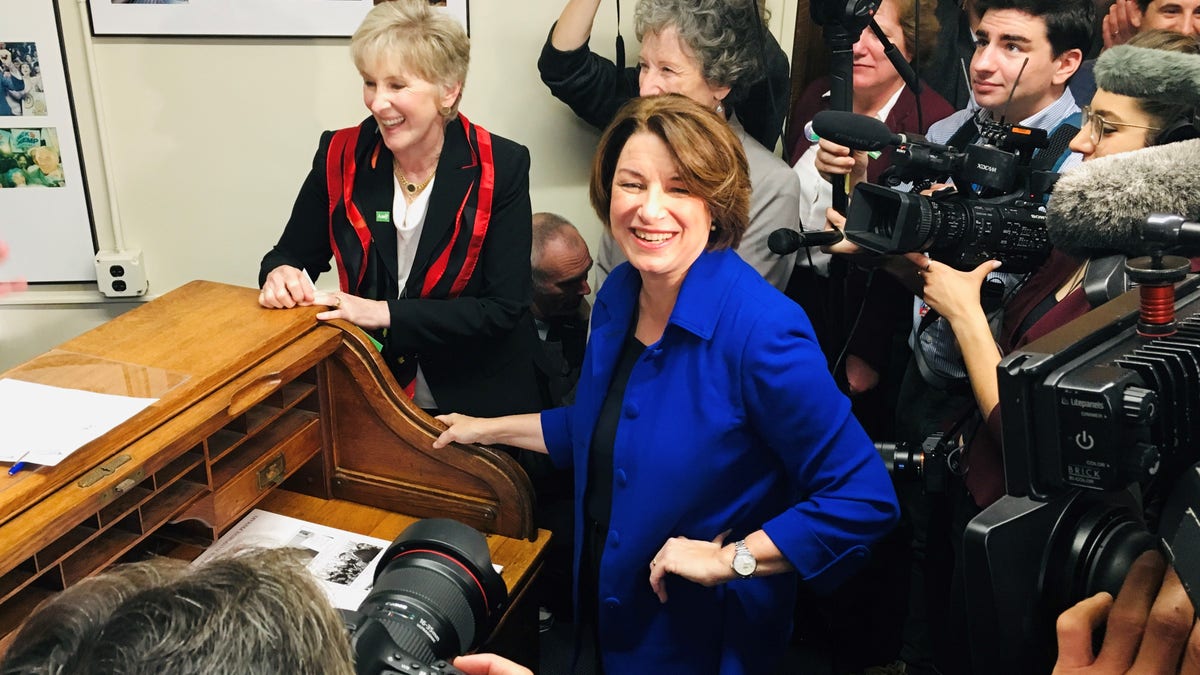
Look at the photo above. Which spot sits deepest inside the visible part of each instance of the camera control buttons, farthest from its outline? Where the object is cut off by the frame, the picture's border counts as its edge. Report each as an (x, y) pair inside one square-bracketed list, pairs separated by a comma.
[(1085, 441)]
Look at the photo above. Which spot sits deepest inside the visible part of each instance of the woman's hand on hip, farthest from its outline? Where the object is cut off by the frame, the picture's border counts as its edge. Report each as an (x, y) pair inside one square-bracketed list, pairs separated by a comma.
[(286, 287), (364, 313), (698, 561)]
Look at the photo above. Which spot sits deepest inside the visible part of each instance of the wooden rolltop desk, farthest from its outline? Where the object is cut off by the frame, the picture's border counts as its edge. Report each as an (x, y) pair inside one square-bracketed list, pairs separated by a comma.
[(256, 408)]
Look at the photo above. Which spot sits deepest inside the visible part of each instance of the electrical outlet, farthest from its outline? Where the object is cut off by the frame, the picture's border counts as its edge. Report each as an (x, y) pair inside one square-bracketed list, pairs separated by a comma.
[(121, 274)]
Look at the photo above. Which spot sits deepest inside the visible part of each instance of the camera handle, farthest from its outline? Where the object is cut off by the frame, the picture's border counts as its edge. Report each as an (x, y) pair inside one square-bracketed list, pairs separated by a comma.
[(900, 63), (843, 22)]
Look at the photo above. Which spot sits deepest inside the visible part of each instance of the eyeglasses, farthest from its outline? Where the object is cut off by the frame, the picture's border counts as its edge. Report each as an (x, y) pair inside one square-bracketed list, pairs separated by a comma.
[(1097, 124)]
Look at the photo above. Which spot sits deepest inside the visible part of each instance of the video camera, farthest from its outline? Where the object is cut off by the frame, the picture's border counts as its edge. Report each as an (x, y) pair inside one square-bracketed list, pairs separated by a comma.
[(435, 596), (1101, 447), (996, 212)]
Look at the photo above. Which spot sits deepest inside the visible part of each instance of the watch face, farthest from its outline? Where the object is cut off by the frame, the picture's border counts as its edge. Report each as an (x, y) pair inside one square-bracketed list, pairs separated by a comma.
[(744, 564)]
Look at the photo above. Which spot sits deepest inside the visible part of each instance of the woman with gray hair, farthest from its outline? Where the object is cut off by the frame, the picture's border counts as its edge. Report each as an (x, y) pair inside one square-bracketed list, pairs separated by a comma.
[(718, 53), (427, 216)]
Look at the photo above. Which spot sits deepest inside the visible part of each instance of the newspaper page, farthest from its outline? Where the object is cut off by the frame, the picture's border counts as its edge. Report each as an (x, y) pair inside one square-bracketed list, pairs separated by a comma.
[(342, 562)]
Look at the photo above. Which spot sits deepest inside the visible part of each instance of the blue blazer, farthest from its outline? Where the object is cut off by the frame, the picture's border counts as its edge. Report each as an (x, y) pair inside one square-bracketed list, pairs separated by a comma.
[(730, 422)]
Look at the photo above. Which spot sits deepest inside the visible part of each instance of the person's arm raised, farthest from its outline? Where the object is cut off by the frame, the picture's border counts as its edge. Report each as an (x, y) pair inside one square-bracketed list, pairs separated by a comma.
[(574, 25)]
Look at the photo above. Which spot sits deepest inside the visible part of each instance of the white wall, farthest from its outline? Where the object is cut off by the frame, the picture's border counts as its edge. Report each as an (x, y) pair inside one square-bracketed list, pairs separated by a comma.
[(207, 141)]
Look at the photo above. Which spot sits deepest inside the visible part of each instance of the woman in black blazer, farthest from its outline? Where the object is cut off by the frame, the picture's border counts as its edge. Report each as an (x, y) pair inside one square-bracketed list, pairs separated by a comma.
[(428, 218)]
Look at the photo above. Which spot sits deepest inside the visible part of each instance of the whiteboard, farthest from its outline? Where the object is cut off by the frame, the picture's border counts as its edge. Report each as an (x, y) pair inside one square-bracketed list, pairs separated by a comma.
[(44, 212)]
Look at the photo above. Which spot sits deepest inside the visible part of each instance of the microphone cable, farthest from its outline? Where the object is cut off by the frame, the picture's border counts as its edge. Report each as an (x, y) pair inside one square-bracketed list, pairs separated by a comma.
[(620, 60)]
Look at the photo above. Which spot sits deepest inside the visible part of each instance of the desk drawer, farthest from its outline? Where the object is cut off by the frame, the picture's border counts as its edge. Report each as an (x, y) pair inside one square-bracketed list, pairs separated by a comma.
[(243, 476)]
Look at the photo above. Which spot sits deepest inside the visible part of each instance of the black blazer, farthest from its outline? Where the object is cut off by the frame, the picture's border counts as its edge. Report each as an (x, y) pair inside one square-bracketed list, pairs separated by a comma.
[(476, 350)]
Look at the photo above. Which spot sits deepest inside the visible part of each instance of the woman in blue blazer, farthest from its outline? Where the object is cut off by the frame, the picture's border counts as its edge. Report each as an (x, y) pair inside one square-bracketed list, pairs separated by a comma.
[(713, 455)]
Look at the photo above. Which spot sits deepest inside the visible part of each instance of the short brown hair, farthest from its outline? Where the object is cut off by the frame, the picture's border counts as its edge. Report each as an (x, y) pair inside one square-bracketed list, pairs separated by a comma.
[(709, 156), (413, 34)]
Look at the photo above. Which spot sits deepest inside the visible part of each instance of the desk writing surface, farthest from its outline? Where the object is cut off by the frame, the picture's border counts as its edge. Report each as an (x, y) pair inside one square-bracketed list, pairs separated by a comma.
[(178, 349)]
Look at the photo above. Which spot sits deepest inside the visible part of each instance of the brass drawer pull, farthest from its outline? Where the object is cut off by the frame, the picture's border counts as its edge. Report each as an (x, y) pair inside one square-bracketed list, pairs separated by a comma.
[(271, 474)]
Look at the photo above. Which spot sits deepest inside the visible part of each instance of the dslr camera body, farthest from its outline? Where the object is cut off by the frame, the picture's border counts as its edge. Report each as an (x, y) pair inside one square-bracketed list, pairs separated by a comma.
[(1101, 446), (996, 211), (435, 596)]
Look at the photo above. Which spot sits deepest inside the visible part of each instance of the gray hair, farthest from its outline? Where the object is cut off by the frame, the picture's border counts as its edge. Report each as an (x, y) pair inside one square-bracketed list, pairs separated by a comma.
[(413, 35), (256, 612), (546, 228), (727, 37)]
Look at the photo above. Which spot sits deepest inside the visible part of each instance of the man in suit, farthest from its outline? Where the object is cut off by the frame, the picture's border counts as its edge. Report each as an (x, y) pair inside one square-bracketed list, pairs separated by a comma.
[(561, 263)]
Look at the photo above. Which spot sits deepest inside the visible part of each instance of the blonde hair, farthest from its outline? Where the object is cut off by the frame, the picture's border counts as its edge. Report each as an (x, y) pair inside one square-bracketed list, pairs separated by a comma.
[(418, 38)]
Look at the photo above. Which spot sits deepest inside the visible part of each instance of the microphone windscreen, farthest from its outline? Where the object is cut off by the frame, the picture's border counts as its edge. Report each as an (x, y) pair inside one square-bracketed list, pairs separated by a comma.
[(1099, 206), (852, 130), (1150, 73)]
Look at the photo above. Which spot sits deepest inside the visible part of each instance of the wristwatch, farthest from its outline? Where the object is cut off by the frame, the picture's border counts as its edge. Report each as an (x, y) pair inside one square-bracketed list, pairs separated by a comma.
[(744, 563)]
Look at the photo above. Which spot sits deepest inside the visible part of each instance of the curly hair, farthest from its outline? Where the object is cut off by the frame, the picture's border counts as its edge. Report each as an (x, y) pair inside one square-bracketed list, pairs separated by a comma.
[(706, 152), (727, 37)]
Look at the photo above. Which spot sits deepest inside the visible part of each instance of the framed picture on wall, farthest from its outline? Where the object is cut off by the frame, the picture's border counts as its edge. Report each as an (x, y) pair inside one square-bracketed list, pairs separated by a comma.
[(246, 18), (43, 191)]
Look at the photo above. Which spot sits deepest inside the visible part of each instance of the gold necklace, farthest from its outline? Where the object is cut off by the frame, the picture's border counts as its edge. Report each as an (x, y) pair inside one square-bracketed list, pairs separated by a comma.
[(413, 189)]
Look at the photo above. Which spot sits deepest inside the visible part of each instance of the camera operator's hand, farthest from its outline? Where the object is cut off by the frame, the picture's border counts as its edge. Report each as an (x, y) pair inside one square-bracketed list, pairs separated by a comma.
[(837, 221), (835, 160), (489, 664), (1150, 628), (860, 376), (951, 293)]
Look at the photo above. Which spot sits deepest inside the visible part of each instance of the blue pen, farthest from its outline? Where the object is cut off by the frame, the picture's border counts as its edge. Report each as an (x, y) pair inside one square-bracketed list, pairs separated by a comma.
[(17, 465)]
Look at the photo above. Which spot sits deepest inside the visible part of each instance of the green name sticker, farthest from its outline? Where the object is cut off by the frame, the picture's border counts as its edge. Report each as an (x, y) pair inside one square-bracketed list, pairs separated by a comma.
[(383, 216)]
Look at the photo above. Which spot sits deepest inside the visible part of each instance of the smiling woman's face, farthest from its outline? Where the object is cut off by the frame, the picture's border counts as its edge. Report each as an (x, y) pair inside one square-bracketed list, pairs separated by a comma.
[(658, 223)]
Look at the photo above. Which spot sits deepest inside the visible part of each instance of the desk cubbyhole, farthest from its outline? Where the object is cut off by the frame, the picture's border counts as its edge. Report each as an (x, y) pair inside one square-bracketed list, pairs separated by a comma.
[(291, 394), (126, 502), (187, 462), (16, 579), (192, 533), (21, 605), (246, 454), (170, 502), (103, 550), (56, 550)]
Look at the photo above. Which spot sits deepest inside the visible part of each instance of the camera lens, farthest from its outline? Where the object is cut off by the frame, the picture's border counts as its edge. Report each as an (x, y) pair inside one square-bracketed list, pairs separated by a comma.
[(436, 594)]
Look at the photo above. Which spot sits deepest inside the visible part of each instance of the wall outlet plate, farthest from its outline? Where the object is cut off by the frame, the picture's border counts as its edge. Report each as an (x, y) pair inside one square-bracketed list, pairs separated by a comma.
[(121, 274)]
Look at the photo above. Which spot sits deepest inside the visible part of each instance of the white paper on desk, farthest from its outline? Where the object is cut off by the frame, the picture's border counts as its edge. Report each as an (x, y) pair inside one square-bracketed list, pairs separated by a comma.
[(342, 562), (43, 424)]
